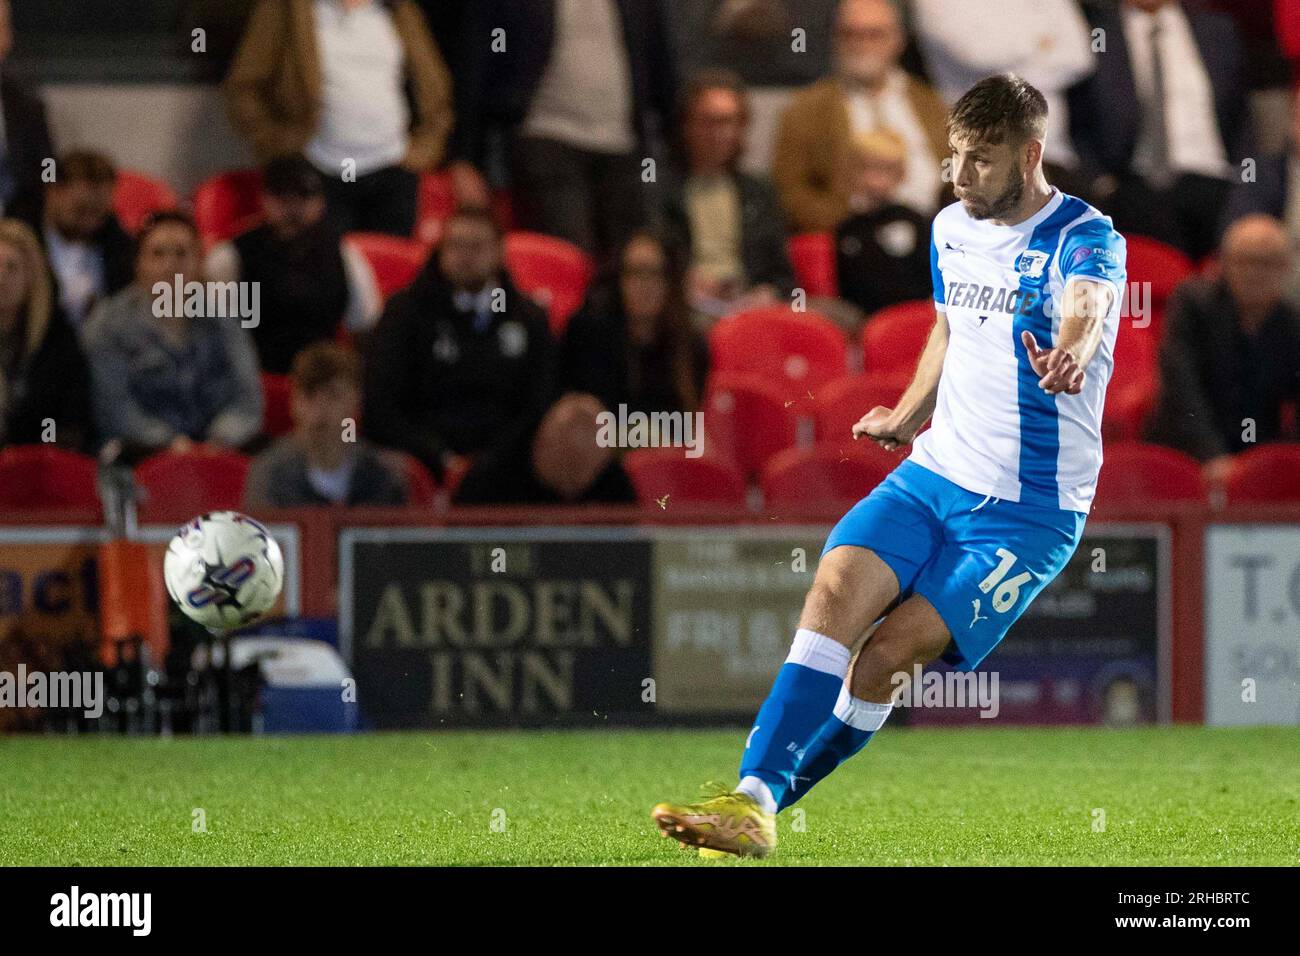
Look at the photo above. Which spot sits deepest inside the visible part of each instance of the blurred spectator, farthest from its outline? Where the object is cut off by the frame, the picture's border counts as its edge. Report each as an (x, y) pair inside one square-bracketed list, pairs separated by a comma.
[(1277, 193), (321, 462), (460, 360), (1164, 119), (310, 280), (24, 137), (165, 381), (44, 383), (582, 91), (882, 251), (89, 252), (632, 342), (558, 462), (329, 79), (1045, 41), (812, 162), (730, 221), (1231, 353)]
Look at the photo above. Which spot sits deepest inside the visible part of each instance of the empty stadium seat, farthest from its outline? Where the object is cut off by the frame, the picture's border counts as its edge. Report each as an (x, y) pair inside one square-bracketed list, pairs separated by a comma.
[(813, 257), (797, 351), (136, 195), (277, 419), (1266, 473), (829, 473), (227, 203), (1150, 260), (1135, 473), (553, 272), (41, 477), (177, 485), (746, 420), (894, 337), (395, 261), (665, 476), (434, 206), (1134, 384), (841, 403), (421, 489)]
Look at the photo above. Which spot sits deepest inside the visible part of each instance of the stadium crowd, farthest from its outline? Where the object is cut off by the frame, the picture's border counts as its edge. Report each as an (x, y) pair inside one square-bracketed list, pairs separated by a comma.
[(478, 225)]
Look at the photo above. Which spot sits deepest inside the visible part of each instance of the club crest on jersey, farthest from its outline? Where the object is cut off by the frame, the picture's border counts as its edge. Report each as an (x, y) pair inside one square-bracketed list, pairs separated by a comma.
[(1031, 263)]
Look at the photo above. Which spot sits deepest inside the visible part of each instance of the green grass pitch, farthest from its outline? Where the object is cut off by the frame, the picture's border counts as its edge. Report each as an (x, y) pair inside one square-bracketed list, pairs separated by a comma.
[(1181, 795)]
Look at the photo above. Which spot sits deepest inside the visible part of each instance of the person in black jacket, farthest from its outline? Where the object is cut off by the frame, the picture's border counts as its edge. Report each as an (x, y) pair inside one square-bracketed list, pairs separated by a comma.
[(26, 143), (44, 382), (577, 93), (460, 360), (882, 251), (89, 252), (731, 222), (1230, 358), (632, 342)]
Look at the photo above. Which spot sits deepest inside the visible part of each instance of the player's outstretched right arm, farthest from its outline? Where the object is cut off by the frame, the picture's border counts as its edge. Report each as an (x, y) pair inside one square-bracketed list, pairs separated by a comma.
[(892, 427)]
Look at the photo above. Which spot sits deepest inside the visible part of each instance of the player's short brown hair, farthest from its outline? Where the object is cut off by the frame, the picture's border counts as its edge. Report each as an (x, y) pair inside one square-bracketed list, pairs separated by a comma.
[(998, 109), (321, 363)]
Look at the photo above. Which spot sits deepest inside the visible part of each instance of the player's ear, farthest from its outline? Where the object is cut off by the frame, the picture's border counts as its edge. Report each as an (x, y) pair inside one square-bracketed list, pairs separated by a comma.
[(1032, 153)]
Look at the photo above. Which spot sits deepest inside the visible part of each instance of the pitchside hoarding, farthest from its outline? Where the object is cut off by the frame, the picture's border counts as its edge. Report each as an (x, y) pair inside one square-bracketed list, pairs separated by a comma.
[(1252, 624), (482, 626), (528, 625)]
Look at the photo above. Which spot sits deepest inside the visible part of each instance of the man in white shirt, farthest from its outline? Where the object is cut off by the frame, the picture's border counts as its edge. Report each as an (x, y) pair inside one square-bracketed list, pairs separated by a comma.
[(1164, 122)]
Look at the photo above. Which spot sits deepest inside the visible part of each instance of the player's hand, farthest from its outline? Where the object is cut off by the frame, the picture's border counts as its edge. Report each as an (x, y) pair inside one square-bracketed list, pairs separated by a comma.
[(1056, 369), (879, 425)]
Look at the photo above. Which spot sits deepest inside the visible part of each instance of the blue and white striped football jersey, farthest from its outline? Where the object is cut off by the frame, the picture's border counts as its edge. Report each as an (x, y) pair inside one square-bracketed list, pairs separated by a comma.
[(994, 431)]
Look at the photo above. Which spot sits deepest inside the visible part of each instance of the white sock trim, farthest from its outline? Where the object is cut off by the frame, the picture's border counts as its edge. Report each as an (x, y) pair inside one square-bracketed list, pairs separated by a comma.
[(819, 652), (760, 791), (860, 714)]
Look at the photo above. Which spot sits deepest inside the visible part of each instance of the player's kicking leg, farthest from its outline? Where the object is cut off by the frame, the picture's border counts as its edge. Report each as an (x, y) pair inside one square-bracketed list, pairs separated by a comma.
[(850, 591)]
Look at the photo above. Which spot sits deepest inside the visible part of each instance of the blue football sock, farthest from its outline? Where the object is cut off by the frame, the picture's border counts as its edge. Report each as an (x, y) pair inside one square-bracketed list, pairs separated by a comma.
[(798, 705), (843, 734)]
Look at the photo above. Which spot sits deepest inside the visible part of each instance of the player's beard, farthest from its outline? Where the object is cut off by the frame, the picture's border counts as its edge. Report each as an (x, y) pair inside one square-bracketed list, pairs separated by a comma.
[(1001, 206)]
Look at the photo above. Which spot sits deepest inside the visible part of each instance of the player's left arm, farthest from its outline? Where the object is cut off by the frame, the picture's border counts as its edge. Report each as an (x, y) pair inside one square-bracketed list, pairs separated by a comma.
[(1092, 261), (1061, 368)]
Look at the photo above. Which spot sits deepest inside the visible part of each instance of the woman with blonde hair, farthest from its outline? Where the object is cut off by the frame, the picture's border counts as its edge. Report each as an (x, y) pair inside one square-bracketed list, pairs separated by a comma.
[(44, 382)]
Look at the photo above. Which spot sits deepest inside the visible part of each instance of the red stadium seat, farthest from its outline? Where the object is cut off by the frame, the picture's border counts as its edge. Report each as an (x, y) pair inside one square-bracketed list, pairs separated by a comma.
[(1134, 384), (1135, 474), (553, 272), (177, 485), (277, 419), (434, 207), (395, 261), (1266, 473), (136, 195), (1150, 260), (841, 403), (797, 351), (746, 420), (894, 337), (40, 477), (421, 489), (828, 473), (663, 476), (225, 204), (813, 257)]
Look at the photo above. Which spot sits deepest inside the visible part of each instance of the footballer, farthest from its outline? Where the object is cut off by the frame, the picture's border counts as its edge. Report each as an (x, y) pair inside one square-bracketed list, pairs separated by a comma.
[(948, 551)]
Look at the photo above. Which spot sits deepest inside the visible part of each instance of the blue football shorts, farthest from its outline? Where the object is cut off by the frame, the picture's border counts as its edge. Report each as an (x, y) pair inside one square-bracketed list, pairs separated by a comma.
[(979, 560)]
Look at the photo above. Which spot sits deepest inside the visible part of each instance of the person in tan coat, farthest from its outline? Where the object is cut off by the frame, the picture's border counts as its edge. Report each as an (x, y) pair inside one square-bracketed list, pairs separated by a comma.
[(812, 164), (329, 79)]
